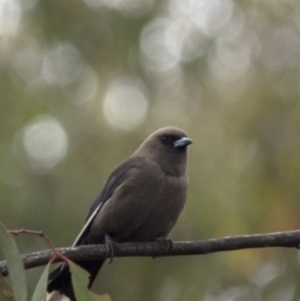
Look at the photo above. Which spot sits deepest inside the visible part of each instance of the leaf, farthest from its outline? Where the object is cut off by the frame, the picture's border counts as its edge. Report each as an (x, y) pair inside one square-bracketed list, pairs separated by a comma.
[(14, 264), (80, 280), (6, 293), (41, 288)]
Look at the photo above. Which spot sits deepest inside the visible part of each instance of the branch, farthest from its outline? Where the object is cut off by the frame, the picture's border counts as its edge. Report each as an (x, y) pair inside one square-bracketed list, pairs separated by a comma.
[(288, 239)]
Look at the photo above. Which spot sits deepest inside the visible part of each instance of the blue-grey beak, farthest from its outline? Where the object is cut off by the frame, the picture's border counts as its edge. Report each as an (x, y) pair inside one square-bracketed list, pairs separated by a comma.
[(182, 142)]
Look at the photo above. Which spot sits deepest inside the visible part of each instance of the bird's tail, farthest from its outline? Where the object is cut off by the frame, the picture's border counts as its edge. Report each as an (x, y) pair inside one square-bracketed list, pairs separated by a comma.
[(56, 296), (59, 284)]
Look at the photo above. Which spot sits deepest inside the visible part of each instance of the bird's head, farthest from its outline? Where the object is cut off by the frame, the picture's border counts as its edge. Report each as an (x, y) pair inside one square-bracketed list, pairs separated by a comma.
[(168, 148)]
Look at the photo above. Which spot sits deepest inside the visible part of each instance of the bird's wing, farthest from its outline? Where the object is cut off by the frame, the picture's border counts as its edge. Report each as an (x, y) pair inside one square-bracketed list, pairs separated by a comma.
[(116, 178)]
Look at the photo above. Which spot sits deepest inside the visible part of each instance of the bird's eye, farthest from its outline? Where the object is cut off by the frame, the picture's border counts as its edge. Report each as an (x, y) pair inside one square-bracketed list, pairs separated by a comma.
[(167, 140)]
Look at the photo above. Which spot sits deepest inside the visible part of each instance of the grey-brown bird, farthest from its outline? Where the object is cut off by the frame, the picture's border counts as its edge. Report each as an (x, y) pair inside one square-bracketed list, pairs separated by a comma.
[(140, 202)]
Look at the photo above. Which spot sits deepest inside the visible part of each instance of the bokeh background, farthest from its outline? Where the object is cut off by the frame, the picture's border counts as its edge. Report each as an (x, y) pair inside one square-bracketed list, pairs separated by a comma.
[(82, 83)]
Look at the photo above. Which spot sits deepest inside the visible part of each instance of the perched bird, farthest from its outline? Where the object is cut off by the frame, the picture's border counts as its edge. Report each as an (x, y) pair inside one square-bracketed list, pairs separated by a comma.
[(140, 202)]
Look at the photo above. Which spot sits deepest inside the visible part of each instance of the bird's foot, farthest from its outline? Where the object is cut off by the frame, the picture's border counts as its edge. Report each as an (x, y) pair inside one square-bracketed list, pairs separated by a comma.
[(111, 247), (165, 244)]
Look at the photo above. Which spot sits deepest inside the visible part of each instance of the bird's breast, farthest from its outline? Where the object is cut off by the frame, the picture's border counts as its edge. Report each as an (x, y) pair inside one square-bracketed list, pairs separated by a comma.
[(165, 209)]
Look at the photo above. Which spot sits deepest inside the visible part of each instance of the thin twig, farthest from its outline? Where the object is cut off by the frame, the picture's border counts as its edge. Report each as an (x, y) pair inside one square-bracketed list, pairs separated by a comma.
[(56, 256), (34, 232)]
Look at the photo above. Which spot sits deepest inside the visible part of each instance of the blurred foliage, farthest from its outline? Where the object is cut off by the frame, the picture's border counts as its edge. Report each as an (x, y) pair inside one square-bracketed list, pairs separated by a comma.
[(84, 82), (80, 280), (17, 283), (14, 286)]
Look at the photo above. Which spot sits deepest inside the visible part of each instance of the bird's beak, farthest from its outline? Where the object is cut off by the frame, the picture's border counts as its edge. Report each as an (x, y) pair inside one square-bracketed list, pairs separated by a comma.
[(182, 142)]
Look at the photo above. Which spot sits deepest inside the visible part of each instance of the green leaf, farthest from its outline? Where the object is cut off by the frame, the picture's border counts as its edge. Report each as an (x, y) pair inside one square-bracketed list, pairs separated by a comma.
[(80, 280), (41, 288), (14, 264), (6, 293)]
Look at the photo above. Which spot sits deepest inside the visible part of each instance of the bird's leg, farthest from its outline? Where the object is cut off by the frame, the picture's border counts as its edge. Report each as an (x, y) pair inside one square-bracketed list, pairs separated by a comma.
[(165, 244), (111, 246)]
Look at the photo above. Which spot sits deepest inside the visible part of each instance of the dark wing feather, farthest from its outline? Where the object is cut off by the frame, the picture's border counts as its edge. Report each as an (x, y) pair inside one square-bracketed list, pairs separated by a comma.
[(115, 179)]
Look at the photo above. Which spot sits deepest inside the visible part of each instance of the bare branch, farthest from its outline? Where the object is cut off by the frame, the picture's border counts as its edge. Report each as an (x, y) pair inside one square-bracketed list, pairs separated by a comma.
[(288, 239)]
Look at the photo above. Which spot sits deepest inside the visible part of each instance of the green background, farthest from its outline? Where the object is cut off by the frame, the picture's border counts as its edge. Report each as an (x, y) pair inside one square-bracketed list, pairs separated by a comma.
[(83, 83)]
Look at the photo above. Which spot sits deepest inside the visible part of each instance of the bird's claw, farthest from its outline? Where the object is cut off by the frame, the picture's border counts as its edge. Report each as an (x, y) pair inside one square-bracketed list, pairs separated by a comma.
[(165, 244), (111, 247)]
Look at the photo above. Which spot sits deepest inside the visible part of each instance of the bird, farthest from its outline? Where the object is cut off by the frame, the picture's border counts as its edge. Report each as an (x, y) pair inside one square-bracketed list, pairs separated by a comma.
[(140, 201)]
